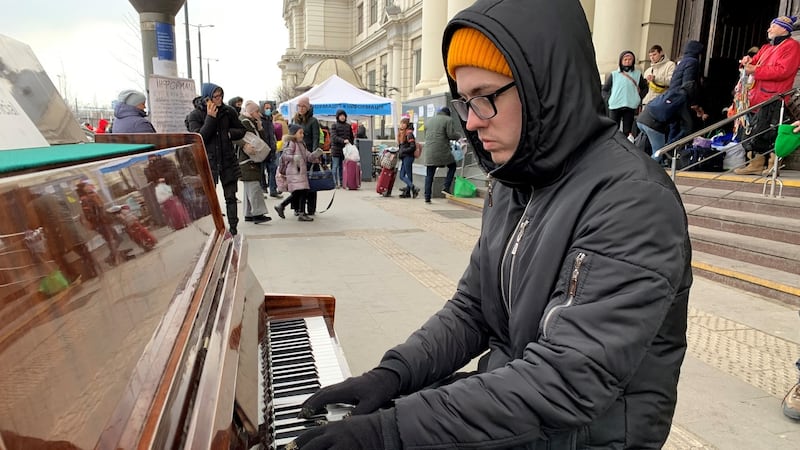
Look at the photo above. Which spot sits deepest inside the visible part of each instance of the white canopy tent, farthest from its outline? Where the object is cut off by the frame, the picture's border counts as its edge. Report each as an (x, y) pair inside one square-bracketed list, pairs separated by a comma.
[(334, 94)]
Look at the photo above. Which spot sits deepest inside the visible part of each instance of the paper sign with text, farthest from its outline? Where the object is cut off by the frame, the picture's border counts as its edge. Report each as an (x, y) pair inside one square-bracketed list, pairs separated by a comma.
[(170, 102)]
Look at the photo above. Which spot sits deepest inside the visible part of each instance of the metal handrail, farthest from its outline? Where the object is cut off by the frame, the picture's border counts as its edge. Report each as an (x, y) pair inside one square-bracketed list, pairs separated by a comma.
[(685, 140)]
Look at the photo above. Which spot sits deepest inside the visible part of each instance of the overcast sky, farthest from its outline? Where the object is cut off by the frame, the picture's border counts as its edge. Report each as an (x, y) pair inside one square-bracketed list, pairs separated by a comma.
[(92, 48)]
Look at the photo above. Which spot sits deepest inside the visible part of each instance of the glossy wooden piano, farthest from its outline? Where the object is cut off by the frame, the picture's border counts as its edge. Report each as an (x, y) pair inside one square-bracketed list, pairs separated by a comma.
[(129, 318)]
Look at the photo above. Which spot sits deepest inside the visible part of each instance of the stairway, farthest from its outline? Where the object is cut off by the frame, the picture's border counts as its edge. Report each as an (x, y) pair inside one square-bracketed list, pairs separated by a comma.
[(739, 237)]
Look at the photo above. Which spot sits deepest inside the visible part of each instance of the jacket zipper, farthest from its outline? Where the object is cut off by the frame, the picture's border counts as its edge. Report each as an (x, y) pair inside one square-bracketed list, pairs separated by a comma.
[(571, 292), (489, 189), (511, 248), (521, 231)]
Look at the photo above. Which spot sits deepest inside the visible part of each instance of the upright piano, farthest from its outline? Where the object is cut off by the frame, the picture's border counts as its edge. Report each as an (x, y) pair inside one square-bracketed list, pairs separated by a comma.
[(140, 325)]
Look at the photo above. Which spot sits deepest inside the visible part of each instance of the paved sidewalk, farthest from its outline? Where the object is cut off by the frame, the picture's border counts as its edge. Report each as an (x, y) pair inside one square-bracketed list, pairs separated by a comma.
[(392, 262)]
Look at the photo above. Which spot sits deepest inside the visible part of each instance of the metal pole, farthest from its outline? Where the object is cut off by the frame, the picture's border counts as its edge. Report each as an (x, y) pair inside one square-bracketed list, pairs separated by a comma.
[(200, 52), (208, 67), (188, 41)]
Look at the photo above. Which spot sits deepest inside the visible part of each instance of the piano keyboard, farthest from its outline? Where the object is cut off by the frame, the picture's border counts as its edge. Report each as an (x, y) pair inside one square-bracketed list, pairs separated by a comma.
[(298, 357)]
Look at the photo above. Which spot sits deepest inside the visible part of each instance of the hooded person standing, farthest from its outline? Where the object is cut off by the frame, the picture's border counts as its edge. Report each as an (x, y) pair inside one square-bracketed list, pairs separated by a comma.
[(341, 135), (439, 131), (576, 293), (219, 126), (623, 90), (686, 78), (130, 115)]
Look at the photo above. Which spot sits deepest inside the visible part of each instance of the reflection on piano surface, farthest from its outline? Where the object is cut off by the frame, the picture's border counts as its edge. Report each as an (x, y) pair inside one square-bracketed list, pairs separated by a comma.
[(129, 317)]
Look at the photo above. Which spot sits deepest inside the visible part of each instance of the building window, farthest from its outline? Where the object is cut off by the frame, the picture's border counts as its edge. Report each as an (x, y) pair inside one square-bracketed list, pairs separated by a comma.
[(371, 85), (373, 11), (360, 18), (417, 65)]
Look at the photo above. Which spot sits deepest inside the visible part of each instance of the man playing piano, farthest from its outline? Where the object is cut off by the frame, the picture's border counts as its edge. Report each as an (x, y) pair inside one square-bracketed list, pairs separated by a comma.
[(576, 292)]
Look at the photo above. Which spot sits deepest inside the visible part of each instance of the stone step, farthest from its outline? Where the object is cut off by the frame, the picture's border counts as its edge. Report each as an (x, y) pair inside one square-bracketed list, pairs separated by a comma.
[(778, 228), (741, 201), (754, 250), (771, 283), (740, 183)]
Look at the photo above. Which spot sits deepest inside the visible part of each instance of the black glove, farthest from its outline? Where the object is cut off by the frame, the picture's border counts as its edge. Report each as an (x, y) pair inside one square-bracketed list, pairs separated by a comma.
[(365, 432), (367, 392)]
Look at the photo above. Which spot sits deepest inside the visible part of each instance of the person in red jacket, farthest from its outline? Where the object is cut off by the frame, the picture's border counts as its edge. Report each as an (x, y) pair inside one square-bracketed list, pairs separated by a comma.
[(772, 70)]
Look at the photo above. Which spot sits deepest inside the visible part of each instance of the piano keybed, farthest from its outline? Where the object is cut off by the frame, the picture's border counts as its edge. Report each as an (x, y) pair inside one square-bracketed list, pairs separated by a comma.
[(298, 357)]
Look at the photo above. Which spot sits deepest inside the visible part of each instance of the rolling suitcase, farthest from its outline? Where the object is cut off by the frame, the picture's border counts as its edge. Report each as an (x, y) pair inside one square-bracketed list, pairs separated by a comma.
[(351, 175), (385, 182)]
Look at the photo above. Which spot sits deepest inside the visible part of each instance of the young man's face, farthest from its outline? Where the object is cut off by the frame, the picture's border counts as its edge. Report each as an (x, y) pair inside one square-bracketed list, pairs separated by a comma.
[(500, 135), (655, 56)]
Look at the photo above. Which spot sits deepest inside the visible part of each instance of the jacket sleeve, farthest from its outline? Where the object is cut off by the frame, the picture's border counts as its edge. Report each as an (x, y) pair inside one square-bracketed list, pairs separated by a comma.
[(452, 132), (606, 90), (144, 126), (643, 87), (621, 277), (668, 74), (204, 124)]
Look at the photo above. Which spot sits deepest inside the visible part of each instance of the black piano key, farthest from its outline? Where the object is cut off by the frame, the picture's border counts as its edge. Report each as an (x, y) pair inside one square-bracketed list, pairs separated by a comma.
[(294, 432), (301, 359), (310, 389)]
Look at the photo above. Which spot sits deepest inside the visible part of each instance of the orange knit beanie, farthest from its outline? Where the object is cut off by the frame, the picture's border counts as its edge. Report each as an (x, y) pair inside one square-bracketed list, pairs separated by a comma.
[(469, 47)]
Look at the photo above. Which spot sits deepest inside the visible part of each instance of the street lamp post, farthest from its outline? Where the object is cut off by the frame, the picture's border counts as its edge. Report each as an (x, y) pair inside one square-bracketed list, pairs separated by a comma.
[(208, 67), (200, 47)]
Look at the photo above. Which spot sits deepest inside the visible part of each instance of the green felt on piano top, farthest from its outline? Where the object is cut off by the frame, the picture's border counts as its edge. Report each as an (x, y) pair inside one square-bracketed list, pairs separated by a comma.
[(30, 158)]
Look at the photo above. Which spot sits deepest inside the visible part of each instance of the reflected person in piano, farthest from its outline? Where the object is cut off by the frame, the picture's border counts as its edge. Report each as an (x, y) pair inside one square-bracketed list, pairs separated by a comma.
[(575, 296)]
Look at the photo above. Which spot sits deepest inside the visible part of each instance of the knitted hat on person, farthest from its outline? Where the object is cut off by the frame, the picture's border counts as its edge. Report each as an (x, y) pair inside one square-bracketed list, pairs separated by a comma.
[(785, 22), (131, 97), (294, 128), (470, 47)]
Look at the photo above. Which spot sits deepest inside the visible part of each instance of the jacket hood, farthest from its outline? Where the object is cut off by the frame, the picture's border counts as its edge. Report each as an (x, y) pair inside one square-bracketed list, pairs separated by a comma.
[(124, 110), (558, 83), (232, 102), (693, 48), (208, 89), (340, 112), (626, 68)]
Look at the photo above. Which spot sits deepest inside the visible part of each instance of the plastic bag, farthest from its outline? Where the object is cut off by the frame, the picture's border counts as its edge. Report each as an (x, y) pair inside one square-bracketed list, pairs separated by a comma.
[(464, 188), (53, 284), (258, 150), (389, 158), (787, 141), (163, 192), (351, 153), (456, 151)]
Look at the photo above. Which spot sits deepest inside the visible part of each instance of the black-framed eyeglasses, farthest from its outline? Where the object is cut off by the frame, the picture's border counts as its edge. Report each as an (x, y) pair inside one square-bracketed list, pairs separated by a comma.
[(482, 105)]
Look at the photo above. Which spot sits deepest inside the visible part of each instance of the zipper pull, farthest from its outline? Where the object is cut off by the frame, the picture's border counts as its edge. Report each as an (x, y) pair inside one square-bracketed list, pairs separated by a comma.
[(489, 190), (576, 269), (519, 236)]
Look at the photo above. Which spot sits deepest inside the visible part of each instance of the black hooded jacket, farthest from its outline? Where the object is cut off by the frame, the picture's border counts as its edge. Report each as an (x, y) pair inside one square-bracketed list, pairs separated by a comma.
[(578, 285), (687, 72), (339, 132), (218, 132)]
